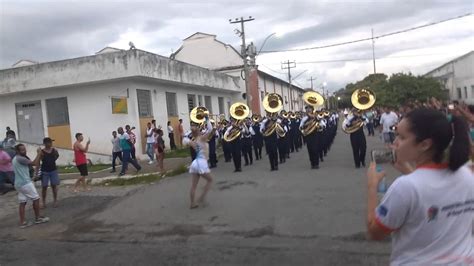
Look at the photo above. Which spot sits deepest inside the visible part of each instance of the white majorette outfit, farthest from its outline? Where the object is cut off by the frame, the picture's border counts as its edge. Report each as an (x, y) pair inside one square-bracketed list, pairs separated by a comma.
[(200, 165)]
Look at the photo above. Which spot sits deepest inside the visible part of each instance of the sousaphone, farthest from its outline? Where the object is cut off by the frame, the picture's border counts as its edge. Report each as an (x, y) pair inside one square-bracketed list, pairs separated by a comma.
[(361, 99), (272, 103), (315, 100), (238, 111)]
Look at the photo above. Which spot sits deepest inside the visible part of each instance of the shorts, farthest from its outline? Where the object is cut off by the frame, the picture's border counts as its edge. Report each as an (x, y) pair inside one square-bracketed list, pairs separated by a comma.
[(199, 166), (49, 177), (27, 193), (83, 169)]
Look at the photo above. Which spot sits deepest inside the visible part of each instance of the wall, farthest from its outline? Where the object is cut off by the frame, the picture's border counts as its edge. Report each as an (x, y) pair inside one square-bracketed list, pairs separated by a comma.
[(90, 108)]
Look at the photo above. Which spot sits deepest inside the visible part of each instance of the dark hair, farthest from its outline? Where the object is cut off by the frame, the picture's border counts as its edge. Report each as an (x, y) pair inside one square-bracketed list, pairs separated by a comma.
[(432, 124), (17, 147), (471, 108), (169, 122), (78, 135), (159, 131), (114, 132), (180, 120), (153, 121)]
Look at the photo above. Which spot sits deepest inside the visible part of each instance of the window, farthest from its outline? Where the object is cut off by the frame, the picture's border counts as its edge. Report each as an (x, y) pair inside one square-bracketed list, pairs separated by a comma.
[(459, 93), (171, 105), (262, 95), (472, 91), (191, 101), (208, 103), (119, 105), (465, 92), (200, 100), (144, 103), (57, 111), (221, 105), (228, 105)]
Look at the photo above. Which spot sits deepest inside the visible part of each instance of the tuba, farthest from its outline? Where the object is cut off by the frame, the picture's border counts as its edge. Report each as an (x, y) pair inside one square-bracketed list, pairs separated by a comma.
[(238, 111), (284, 114), (272, 103), (198, 114), (314, 99), (292, 115), (361, 99)]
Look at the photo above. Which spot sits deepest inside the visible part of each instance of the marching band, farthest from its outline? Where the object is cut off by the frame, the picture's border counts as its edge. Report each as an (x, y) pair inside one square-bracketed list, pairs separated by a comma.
[(283, 132)]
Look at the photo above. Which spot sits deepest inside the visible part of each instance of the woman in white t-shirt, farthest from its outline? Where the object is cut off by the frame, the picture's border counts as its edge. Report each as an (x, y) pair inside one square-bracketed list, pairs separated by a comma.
[(429, 212)]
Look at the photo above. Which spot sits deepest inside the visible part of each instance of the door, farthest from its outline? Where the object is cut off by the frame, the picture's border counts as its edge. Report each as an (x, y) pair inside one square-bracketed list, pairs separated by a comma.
[(145, 113), (29, 117)]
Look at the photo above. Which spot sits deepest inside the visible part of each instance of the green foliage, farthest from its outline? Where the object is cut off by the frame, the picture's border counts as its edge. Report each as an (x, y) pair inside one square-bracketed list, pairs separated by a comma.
[(178, 153), (395, 91), (68, 169)]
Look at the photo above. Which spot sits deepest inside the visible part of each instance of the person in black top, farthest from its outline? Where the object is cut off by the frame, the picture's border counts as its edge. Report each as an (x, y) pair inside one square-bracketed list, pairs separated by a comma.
[(270, 141), (49, 172), (257, 140)]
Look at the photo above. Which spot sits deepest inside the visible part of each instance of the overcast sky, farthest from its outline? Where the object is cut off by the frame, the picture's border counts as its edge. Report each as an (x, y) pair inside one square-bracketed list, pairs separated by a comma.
[(53, 30)]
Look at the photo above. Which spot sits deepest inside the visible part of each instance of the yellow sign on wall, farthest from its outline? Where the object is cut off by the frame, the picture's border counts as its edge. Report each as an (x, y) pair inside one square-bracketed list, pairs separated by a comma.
[(119, 105)]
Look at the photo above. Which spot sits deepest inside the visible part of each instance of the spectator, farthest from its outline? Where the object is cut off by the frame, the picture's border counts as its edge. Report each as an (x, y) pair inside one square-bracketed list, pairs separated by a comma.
[(116, 150), (171, 136), (133, 140), (126, 145), (150, 141), (25, 187), (49, 172), (81, 161), (425, 210), (6, 170), (181, 133), (388, 119), (160, 150)]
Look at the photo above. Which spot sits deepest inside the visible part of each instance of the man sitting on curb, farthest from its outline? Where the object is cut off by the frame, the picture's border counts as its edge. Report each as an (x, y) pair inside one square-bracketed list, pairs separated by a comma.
[(24, 186)]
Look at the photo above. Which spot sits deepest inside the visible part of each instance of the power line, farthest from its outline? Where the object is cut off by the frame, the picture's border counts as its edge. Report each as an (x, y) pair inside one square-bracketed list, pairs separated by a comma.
[(367, 39), (278, 72), (359, 59)]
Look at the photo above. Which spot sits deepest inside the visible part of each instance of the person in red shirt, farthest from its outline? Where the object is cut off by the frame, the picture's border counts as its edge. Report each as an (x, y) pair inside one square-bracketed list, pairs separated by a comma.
[(81, 161)]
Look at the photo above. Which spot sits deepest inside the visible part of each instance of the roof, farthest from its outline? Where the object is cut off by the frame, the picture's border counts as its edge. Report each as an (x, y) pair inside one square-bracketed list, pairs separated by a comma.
[(108, 49), (173, 55), (452, 61), (24, 62)]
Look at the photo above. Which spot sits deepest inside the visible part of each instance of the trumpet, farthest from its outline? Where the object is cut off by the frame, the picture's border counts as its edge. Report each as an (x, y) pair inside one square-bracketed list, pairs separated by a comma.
[(238, 111), (361, 99), (284, 114), (256, 118)]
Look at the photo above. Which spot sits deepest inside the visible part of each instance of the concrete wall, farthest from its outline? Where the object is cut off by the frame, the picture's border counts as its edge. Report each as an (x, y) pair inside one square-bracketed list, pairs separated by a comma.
[(90, 107), (110, 66), (458, 74), (268, 84)]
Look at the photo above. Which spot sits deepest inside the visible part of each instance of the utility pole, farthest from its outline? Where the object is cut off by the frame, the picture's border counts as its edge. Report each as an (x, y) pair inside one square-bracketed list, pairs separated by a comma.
[(311, 79), (289, 66), (244, 53), (373, 50)]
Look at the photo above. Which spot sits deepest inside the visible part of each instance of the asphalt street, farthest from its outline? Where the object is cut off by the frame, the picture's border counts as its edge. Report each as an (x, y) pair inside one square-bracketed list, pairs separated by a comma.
[(296, 216)]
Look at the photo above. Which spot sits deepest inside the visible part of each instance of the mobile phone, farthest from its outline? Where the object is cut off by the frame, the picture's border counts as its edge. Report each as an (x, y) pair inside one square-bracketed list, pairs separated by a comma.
[(451, 106), (383, 156)]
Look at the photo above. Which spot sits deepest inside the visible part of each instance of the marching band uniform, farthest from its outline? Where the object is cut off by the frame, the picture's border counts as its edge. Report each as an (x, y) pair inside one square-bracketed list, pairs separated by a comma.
[(270, 145), (313, 143), (282, 144), (257, 139), (236, 148), (358, 141), (212, 150), (293, 135), (247, 134), (226, 147)]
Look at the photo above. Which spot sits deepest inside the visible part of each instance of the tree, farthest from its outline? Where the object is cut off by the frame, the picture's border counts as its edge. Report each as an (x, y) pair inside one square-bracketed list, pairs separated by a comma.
[(397, 90)]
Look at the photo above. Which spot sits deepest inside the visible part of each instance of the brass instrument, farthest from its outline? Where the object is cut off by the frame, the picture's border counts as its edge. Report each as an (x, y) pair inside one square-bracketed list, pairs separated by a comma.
[(256, 118), (326, 113), (198, 114), (238, 111), (292, 115), (314, 99), (362, 99), (280, 130), (212, 133), (272, 103), (284, 114)]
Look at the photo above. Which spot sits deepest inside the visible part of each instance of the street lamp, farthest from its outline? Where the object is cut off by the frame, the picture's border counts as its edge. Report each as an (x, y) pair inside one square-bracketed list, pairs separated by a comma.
[(265, 41)]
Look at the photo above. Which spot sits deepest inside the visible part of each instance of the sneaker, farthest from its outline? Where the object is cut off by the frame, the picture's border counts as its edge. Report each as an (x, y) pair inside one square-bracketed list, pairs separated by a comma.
[(42, 220), (150, 162), (26, 224), (113, 171)]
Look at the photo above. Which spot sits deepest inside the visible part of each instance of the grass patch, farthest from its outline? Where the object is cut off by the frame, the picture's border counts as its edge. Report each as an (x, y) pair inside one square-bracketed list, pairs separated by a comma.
[(143, 179), (69, 169), (178, 153)]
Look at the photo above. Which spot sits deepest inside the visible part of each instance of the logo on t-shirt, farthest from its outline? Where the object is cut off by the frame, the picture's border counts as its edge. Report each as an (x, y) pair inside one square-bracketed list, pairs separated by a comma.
[(432, 213), (382, 210)]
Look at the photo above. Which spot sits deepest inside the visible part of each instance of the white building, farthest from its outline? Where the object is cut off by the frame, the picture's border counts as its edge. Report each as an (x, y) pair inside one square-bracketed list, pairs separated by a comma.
[(96, 94), (205, 50), (457, 76)]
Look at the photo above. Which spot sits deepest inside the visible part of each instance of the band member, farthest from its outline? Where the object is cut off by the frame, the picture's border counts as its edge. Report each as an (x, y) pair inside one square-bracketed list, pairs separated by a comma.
[(292, 134), (358, 141), (188, 135), (270, 142), (236, 146), (212, 148), (247, 134), (282, 143), (257, 140), (226, 147), (199, 167), (313, 142)]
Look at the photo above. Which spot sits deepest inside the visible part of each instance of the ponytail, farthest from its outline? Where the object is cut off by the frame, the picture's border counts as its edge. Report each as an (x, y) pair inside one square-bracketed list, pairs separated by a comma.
[(460, 148)]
